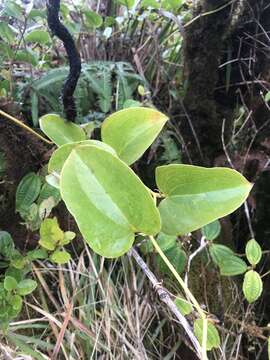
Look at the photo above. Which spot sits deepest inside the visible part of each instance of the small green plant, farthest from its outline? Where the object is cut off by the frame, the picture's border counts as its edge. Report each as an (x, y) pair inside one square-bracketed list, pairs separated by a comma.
[(35, 199), (14, 284), (52, 239), (112, 206)]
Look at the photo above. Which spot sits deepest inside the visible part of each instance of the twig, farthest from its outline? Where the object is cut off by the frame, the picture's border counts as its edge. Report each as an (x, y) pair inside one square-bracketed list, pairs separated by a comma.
[(166, 298), (24, 126), (203, 244)]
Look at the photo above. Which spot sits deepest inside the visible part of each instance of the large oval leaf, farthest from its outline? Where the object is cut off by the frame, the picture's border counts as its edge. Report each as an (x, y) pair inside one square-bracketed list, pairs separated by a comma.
[(61, 131), (197, 196), (107, 199), (131, 131), (61, 154)]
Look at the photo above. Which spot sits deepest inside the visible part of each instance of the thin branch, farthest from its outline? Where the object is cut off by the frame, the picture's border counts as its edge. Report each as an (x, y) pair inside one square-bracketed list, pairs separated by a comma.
[(203, 244), (166, 298)]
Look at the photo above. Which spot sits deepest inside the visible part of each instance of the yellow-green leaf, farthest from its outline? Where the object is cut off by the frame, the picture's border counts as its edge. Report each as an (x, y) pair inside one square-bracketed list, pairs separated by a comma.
[(252, 286), (10, 283), (50, 234), (196, 196), (107, 199), (61, 154), (131, 131), (213, 339), (60, 257), (38, 36), (183, 306), (26, 286), (253, 252), (61, 131)]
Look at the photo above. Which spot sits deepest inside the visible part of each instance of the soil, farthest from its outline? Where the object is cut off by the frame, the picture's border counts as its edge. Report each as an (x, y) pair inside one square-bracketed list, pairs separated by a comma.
[(23, 152)]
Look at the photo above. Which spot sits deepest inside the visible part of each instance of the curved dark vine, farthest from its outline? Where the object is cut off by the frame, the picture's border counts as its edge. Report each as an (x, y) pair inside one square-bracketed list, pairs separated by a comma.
[(59, 30)]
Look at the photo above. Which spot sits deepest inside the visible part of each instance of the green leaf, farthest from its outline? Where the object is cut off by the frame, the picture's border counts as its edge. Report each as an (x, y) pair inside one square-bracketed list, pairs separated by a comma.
[(150, 3), (6, 32), (166, 242), (128, 3), (61, 154), (232, 266), (196, 196), (219, 253), (26, 56), (50, 234), (213, 339), (92, 19), (13, 9), (171, 5), (26, 287), (212, 230), (252, 286), (253, 252), (53, 180), (183, 306), (18, 261), (45, 208), (48, 191), (131, 103), (16, 302), (15, 273), (6, 52), (229, 263), (60, 257), (37, 254), (27, 191), (113, 202), (41, 37), (6, 244), (267, 96), (177, 258), (37, 13), (131, 131), (61, 131), (68, 237), (10, 283)]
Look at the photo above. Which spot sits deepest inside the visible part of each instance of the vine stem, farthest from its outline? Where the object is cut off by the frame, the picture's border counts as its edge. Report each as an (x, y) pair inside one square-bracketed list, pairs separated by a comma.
[(187, 292), (165, 297), (23, 126)]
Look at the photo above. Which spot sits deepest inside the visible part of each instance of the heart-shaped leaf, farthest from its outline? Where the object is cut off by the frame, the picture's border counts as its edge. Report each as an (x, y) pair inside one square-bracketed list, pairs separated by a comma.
[(131, 131), (61, 154), (107, 199), (61, 131), (196, 196), (212, 230)]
